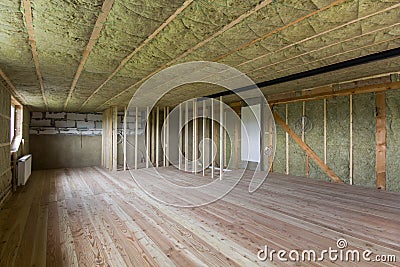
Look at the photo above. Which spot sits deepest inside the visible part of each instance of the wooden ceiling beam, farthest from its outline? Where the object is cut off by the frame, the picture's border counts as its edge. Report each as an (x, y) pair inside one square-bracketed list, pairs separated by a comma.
[(279, 29), (101, 19), (29, 27), (326, 32), (198, 45), (134, 52), (9, 86)]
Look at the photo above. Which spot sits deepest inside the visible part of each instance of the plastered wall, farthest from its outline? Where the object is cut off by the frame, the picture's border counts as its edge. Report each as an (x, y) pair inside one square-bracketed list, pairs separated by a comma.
[(338, 138)]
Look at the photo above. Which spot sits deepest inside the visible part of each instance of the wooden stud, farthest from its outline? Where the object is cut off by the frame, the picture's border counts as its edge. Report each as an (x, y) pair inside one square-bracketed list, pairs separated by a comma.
[(212, 138), (136, 137), (164, 136), (221, 137), (124, 141), (225, 140), (153, 140), (303, 137), (195, 141), (351, 141), (186, 135), (287, 141), (308, 150), (325, 154), (147, 136), (270, 143), (380, 140), (167, 140), (114, 137), (204, 136), (236, 144), (180, 138), (157, 137)]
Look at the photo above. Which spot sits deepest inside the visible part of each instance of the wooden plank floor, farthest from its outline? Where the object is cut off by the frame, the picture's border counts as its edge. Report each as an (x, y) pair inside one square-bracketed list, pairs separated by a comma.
[(91, 217)]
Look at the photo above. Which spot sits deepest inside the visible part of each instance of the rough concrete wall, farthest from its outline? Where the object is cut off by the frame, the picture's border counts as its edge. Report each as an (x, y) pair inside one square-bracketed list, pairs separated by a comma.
[(279, 164), (66, 123), (65, 151), (392, 140), (314, 137), (5, 170), (338, 136)]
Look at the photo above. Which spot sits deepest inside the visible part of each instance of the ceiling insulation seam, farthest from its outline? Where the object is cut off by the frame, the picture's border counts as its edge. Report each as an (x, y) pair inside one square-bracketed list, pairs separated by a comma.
[(327, 55), (27, 14), (224, 29), (101, 19), (60, 45), (357, 52), (320, 34), (147, 40), (141, 81), (281, 28)]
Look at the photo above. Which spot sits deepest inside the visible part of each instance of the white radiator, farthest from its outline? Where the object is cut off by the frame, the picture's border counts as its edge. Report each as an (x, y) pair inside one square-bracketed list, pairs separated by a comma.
[(24, 169)]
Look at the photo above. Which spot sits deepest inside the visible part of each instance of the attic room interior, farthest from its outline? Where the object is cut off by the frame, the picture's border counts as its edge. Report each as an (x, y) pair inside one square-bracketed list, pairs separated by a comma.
[(199, 133)]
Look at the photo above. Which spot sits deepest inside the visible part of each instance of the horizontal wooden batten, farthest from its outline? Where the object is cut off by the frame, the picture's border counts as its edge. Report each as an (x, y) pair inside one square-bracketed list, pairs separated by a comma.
[(346, 92)]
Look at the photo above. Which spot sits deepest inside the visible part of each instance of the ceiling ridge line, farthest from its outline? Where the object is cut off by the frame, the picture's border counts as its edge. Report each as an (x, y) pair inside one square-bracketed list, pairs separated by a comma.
[(29, 27), (279, 29), (146, 41), (198, 45), (322, 33), (11, 88), (98, 26)]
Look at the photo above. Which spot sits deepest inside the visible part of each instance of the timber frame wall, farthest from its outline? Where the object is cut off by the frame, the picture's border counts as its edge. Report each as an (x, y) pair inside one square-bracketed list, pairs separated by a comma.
[(377, 95)]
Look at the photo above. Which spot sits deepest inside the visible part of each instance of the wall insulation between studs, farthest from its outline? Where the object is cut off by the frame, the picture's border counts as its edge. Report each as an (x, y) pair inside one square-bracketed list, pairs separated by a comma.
[(338, 139)]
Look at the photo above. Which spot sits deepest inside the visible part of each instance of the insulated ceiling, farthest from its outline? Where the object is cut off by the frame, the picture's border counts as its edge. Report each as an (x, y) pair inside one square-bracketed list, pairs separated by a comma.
[(78, 55)]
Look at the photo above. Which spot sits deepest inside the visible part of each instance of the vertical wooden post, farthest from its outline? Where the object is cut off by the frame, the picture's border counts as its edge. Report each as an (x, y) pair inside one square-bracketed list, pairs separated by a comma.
[(262, 143), (164, 136), (153, 139), (114, 137), (225, 139), (287, 140), (212, 138), (303, 136), (103, 119), (157, 137), (270, 143), (124, 137), (221, 137), (147, 136), (351, 141), (167, 140), (380, 140), (136, 137), (204, 136), (186, 134), (325, 131), (236, 143), (180, 138), (195, 143)]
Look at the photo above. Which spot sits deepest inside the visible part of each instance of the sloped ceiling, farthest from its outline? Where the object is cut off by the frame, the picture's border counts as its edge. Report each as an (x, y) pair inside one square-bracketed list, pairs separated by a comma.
[(87, 55)]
